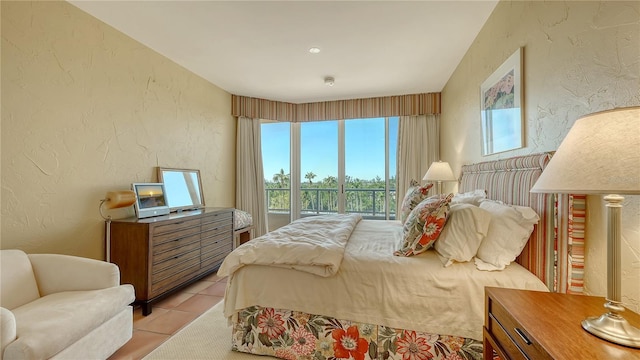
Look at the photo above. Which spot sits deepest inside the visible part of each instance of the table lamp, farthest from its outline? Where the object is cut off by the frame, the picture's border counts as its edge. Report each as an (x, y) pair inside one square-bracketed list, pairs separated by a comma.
[(439, 171), (114, 200), (601, 155)]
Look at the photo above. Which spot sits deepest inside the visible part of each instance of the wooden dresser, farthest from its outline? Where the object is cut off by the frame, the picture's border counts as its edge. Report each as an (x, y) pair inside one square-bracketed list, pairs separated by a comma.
[(161, 254), (522, 324)]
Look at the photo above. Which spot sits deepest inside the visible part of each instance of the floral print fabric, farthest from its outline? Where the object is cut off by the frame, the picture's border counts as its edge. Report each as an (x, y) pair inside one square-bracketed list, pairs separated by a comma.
[(241, 219), (415, 194), (295, 335), (424, 225)]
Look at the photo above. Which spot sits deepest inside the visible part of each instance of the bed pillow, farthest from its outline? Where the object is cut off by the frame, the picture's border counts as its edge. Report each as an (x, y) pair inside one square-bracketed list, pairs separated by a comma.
[(471, 197), (508, 233), (415, 194), (424, 224), (460, 239)]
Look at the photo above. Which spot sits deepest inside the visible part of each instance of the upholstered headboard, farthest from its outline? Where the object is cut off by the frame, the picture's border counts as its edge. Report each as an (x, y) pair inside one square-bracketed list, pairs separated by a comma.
[(510, 180)]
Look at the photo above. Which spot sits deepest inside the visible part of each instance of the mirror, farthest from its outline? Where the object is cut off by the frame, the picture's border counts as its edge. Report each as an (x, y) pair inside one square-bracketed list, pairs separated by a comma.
[(183, 188)]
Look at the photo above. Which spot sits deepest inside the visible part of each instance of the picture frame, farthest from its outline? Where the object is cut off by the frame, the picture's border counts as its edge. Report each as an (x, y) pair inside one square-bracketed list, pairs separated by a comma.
[(501, 103), (150, 199)]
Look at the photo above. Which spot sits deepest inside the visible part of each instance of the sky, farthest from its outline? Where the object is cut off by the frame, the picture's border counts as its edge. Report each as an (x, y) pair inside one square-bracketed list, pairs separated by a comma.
[(364, 148)]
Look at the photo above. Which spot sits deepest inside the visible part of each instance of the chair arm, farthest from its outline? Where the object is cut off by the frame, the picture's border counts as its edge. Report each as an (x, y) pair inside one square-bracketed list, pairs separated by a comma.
[(55, 273), (7, 329)]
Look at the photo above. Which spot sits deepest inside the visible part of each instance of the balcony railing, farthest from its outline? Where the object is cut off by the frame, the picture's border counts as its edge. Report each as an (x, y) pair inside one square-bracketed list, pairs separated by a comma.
[(370, 203)]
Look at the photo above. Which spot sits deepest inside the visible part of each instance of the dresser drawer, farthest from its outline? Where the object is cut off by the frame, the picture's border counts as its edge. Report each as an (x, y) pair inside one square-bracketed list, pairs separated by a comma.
[(214, 258), (174, 247), (176, 225), (511, 336), (222, 230), (160, 285), (211, 221), (174, 262), (221, 245), (166, 237)]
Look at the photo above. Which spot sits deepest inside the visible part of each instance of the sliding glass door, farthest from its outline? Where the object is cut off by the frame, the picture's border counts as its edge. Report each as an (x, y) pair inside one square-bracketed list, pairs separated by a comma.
[(340, 166)]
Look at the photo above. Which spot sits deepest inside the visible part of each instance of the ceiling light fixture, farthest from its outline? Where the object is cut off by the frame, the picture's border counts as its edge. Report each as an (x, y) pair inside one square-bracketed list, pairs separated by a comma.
[(314, 50), (329, 81)]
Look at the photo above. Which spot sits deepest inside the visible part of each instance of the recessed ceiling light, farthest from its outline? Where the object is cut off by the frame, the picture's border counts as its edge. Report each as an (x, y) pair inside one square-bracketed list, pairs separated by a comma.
[(314, 50), (329, 80)]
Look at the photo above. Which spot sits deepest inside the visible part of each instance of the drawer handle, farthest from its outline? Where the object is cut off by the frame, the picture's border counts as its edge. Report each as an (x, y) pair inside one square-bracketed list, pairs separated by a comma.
[(523, 336)]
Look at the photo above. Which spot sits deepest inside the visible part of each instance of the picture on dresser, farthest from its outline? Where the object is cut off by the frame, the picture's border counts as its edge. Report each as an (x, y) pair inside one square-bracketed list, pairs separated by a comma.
[(150, 199)]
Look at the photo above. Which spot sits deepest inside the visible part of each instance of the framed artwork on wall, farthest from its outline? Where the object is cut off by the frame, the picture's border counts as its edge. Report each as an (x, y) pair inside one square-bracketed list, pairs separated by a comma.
[(501, 102)]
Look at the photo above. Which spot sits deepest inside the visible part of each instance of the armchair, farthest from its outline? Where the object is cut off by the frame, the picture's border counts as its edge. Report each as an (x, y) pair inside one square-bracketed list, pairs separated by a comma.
[(61, 307)]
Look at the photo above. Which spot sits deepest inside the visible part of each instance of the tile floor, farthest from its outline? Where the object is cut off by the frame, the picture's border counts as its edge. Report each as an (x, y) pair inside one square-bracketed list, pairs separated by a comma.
[(170, 315)]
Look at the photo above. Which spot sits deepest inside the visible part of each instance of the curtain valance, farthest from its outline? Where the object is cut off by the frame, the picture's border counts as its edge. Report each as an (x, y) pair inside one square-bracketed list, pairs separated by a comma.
[(398, 105)]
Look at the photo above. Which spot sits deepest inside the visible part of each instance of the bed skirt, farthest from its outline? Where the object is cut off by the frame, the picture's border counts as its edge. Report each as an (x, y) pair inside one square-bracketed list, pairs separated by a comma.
[(290, 334)]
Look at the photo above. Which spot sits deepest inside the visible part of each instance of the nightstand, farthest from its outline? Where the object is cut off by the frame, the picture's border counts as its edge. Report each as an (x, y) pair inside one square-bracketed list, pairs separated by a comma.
[(521, 324)]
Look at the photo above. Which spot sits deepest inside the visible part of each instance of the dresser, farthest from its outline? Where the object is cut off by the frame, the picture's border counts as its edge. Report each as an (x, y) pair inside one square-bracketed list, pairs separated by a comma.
[(522, 324), (161, 254)]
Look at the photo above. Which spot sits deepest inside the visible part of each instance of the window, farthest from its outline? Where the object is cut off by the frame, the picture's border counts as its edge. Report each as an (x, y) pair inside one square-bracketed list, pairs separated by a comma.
[(340, 166)]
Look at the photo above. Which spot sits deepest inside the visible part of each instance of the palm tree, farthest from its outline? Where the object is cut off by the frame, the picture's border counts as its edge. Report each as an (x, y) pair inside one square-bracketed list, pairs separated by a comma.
[(283, 180), (309, 176), (330, 180)]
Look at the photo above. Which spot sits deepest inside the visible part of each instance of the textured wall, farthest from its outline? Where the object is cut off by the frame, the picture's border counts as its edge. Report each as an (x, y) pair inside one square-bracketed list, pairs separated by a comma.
[(85, 110), (579, 58)]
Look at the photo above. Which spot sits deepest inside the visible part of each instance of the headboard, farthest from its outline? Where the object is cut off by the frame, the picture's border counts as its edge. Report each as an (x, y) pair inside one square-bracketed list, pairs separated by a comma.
[(509, 180)]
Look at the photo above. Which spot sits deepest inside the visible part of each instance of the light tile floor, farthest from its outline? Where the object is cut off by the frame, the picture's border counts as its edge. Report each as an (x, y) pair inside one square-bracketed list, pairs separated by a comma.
[(170, 315)]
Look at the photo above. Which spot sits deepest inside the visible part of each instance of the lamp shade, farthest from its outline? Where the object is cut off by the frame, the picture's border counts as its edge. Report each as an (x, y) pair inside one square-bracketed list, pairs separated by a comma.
[(599, 155), (439, 171), (119, 199)]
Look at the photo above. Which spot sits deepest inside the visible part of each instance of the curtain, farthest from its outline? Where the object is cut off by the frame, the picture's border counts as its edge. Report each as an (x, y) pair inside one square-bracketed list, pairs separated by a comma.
[(399, 105), (250, 195), (418, 147)]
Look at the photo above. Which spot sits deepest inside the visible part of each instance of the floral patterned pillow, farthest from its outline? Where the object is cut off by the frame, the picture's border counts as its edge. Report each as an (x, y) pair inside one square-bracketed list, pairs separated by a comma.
[(424, 225), (241, 219), (415, 194)]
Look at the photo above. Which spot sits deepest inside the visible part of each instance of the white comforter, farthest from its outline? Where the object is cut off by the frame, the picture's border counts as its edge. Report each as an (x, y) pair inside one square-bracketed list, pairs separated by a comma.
[(314, 244), (373, 286)]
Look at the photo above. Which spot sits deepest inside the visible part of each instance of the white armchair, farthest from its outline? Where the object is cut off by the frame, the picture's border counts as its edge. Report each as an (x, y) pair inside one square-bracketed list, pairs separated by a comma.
[(62, 307)]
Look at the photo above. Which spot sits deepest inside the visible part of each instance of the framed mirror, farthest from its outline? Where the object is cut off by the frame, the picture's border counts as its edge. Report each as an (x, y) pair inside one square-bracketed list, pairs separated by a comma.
[(183, 188)]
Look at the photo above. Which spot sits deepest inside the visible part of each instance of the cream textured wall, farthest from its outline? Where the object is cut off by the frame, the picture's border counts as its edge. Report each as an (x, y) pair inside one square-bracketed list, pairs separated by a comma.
[(85, 110), (579, 58)]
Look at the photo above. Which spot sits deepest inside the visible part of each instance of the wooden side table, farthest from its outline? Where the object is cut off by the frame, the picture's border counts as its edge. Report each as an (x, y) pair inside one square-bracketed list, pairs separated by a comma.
[(521, 324), (243, 235)]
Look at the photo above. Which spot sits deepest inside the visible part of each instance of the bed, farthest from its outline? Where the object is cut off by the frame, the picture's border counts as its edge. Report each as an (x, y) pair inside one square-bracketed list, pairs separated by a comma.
[(357, 300)]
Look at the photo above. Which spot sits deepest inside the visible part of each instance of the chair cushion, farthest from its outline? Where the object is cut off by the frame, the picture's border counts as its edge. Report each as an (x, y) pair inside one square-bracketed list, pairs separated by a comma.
[(52, 323), (17, 282)]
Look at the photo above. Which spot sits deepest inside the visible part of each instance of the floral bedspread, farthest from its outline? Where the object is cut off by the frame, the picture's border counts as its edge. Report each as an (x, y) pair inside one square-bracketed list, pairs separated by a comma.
[(296, 335)]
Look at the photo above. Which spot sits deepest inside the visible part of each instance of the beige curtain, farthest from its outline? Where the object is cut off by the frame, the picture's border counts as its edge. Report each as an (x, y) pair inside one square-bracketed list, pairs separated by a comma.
[(418, 147), (250, 195)]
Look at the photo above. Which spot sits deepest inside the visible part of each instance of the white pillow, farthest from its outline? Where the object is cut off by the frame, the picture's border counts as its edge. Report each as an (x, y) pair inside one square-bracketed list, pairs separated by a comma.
[(466, 227), (508, 233), (470, 197)]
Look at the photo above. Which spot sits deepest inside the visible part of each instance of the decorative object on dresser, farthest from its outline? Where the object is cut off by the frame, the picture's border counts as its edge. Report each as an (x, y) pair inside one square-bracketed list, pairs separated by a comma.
[(161, 254), (183, 188), (522, 324), (150, 199), (439, 171), (601, 155), (114, 200)]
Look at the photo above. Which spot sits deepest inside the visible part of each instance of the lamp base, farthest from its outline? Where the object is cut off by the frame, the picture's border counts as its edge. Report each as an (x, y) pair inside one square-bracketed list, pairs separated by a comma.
[(613, 328)]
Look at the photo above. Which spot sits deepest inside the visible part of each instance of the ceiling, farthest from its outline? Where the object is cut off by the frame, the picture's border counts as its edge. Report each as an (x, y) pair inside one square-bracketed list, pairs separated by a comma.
[(260, 48)]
